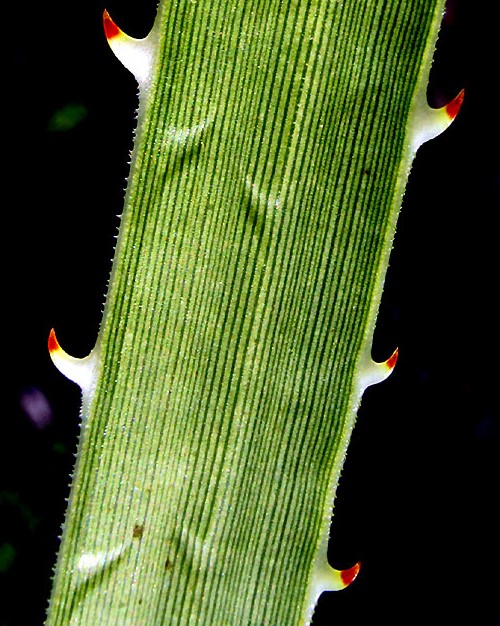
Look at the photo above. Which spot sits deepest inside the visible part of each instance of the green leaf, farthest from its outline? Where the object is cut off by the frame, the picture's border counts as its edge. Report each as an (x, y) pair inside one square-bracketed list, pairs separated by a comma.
[(273, 145)]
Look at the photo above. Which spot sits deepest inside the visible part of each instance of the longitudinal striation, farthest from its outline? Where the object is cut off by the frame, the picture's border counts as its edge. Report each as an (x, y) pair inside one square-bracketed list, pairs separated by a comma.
[(272, 149)]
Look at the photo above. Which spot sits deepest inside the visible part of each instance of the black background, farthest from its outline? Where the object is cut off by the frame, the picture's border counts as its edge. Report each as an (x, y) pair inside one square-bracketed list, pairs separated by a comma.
[(417, 504)]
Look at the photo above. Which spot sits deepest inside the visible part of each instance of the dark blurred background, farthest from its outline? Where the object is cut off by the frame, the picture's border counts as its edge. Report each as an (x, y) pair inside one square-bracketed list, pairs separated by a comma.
[(417, 504)]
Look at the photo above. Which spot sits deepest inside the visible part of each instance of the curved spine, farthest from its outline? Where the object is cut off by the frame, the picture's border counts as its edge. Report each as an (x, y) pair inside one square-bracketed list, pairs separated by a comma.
[(136, 55), (80, 371)]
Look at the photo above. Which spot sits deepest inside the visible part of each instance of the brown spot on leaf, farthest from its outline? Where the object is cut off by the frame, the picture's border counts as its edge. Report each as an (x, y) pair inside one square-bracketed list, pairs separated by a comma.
[(138, 531)]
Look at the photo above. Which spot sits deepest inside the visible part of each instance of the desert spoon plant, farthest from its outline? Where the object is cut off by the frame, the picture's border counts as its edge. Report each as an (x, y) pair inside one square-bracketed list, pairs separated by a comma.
[(273, 145)]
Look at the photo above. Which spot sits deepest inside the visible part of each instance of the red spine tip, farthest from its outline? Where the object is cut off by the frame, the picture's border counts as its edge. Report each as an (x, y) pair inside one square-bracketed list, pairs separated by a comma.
[(53, 343), (111, 30), (453, 107), (393, 359), (348, 575)]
